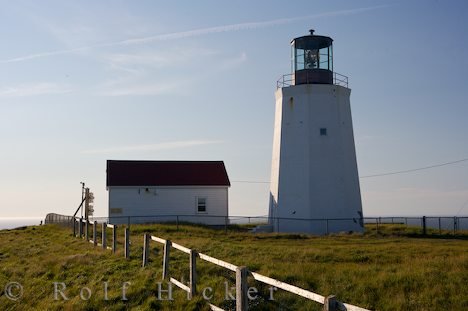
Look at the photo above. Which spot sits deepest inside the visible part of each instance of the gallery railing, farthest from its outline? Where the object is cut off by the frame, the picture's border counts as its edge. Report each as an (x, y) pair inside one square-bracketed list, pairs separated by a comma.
[(288, 80)]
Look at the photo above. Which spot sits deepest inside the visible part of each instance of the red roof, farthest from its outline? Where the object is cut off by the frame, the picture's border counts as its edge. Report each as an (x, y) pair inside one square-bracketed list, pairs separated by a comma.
[(166, 173)]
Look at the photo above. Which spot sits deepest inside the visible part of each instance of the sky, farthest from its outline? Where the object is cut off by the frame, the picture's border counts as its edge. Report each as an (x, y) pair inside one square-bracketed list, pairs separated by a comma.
[(86, 81)]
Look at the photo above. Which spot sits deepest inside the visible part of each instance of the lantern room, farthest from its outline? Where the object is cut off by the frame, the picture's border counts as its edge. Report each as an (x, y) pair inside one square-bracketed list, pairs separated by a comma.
[(312, 59)]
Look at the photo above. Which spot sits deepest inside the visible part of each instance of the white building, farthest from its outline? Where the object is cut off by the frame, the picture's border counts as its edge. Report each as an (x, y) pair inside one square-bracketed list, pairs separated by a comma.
[(314, 174), (163, 191)]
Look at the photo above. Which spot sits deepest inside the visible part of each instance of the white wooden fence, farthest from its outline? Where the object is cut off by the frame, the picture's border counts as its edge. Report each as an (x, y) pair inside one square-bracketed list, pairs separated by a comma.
[(330, 303), (83, 225)]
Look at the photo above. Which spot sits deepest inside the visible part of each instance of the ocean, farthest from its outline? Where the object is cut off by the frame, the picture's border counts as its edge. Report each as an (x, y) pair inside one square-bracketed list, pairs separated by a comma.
[(15, 222)]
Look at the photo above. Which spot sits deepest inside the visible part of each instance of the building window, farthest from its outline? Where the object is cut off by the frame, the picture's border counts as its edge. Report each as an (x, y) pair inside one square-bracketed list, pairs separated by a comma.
[(323, 131), (201, 205)]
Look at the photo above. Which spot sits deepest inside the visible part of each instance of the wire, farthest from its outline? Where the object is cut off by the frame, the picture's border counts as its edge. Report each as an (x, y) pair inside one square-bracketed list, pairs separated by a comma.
[(416, 169), (462, 208), (370, 176)]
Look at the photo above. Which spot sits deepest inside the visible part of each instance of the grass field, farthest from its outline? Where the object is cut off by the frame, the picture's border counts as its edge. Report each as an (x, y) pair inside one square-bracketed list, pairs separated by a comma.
[(395, 269)]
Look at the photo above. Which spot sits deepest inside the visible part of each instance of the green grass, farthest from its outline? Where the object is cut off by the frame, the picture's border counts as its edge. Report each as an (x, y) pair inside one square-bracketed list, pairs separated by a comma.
[(393, 269)]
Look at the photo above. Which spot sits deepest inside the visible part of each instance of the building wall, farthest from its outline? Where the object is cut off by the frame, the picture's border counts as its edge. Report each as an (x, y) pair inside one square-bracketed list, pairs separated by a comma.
[(166, 203), (314, 176)]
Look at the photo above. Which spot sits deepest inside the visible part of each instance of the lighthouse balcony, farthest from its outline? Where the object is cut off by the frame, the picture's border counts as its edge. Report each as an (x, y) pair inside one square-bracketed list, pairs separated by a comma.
[(315, 76)]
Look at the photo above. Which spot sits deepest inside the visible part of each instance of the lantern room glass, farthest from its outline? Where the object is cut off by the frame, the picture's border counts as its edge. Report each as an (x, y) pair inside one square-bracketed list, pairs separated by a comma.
[(312, 54)]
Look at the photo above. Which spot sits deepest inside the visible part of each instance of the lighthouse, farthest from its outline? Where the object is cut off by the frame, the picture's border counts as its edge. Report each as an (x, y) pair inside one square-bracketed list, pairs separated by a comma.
[(314, 184)]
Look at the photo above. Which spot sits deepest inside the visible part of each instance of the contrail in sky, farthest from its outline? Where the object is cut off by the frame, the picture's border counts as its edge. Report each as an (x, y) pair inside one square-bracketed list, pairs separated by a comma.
[(195, 33)]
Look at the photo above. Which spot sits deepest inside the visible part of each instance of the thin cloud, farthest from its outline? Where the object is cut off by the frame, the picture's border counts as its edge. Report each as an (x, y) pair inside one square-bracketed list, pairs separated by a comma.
[(243, 26), (34, 89), (140, 89), (234, 62), (158, 59), (151, 59), (197, 32), (136, 83), (153, 147), (44, 54)]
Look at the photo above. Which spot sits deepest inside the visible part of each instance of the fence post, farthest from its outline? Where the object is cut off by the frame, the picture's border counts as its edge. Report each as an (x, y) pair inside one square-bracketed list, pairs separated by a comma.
[(377, 225), (242, 302), (104, 236), (167, 250), (146, 241), (193, 273), (330, 304), (424, 225), (440, 228), (95, 233), (128, 221), (74, 227), (454, 225), (127, 243), (114, 238), (80, 228)]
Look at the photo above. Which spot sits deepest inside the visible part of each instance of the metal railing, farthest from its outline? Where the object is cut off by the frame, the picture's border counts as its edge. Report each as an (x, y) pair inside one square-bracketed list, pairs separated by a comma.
[(288, 80), (64, 220), (452, 224), (339, 79), (321, 226)]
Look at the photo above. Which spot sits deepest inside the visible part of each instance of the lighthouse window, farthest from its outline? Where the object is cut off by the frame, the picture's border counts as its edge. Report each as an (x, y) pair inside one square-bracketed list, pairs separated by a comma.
[(323, 131), (299, 62)]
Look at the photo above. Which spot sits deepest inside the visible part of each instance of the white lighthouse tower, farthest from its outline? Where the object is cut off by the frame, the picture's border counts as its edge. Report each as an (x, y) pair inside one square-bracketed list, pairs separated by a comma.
[(314, 177)]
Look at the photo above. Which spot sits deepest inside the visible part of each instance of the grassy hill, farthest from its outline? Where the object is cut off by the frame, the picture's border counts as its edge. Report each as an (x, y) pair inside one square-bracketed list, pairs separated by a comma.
[(395, 269)]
